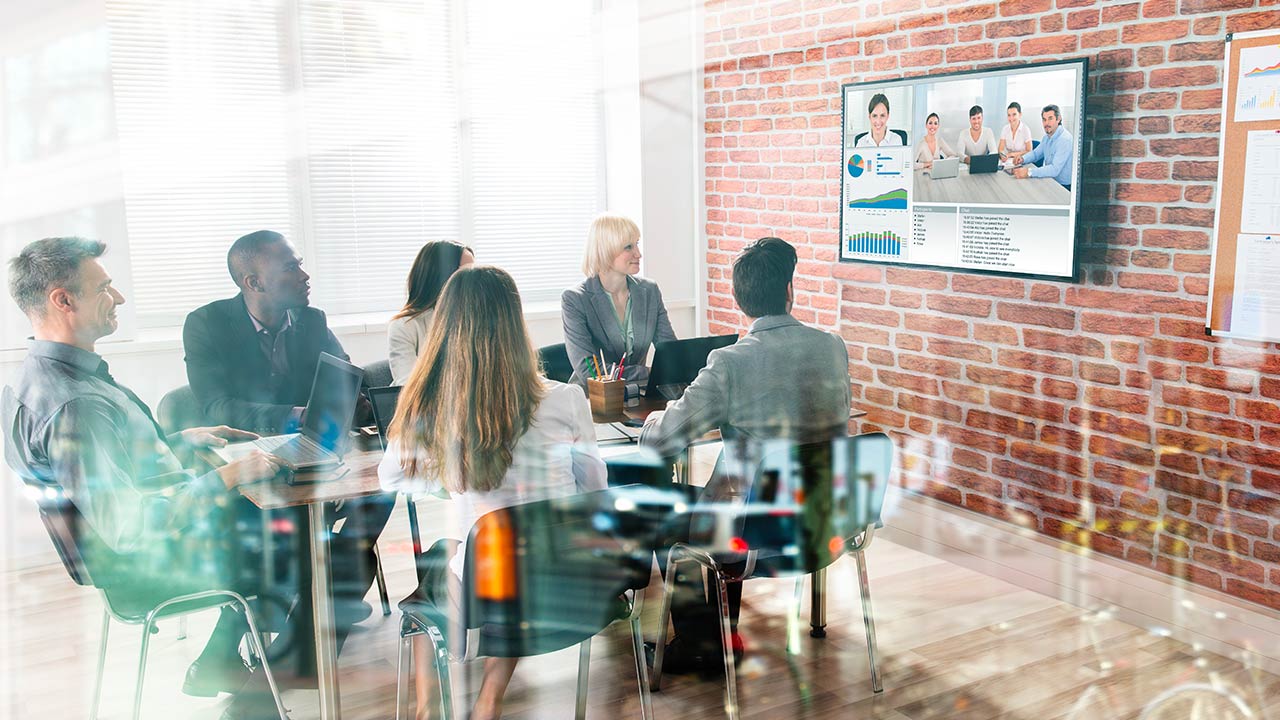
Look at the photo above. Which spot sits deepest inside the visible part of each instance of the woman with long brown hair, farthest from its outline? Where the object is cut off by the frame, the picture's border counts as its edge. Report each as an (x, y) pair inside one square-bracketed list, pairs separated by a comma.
[(478, 421), (435, 264)]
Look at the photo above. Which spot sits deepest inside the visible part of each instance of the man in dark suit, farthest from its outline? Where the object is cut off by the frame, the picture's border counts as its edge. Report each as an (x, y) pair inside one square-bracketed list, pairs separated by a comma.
[(251, 358)]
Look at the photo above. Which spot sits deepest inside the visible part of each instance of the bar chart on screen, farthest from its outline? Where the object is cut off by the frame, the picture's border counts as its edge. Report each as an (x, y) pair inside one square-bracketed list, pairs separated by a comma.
[(886, 243)]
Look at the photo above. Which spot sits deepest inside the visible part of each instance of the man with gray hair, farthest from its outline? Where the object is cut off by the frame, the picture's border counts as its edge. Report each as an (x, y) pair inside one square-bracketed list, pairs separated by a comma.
[(153, 528)]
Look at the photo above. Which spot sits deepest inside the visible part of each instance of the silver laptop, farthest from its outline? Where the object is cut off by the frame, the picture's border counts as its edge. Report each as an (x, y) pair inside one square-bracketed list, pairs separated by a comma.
[(326, 422), (945, 168)]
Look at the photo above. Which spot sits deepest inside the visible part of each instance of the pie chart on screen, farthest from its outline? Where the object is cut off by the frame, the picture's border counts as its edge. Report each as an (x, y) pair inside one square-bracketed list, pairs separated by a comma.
[(857, 166)]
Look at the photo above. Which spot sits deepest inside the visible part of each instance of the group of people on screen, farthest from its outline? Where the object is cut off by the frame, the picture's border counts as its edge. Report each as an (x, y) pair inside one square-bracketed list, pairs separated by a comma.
[(477, 423), (1051, 157)]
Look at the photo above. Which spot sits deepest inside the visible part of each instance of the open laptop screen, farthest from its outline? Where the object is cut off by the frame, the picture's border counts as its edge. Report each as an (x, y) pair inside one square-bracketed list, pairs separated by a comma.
[(332, 406), (677, 362), (384, 400)]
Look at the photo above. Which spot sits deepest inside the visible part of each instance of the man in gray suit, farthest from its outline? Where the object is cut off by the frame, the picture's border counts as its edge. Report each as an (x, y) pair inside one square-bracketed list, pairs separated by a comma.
[(782, 380)]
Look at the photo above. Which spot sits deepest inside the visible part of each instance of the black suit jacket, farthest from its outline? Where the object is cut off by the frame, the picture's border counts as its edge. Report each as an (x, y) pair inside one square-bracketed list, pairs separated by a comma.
[(231, 376)]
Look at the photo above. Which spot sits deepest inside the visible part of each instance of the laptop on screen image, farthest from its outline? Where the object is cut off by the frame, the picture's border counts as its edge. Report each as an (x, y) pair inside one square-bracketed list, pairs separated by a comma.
[(322, 439), (979, 164), (677, 362), (945, 168)]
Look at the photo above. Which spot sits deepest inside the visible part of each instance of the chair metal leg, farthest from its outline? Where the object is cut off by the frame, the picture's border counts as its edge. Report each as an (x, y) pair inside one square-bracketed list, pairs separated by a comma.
[(726, 645), (660, 643), (142, 666), (102, 663), (818, 605), (868, 619), (255, 638), (584, 673), (402, 672), (382, 581), (440, 651), (793, 618), (182, 628), (637, 648)]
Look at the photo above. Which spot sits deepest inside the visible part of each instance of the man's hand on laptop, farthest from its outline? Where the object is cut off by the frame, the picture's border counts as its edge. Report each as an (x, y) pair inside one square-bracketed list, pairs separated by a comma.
[(215, 437), (254, 467)]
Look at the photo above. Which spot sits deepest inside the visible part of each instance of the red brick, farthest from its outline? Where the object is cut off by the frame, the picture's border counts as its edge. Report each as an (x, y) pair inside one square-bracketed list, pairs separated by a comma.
[(1248, 359), (967, 351), (915, 383), (1036, 455), (1253, 21), (964, 393), (959, 305), (1220, 379), (1034, 362), (1121, 400), (1255, 455), (1109, 324), (1127, 452), (1045, 503), (929, 365), (926, 279), (1229, 564), (1202, 99), (1001, 378), (1117, 13), (1059, 389), (1030, 407), (1029, 476), (973, 439), (971, 13), (1024, 7), (1189, 486), (932, 407), (1036, 315), (1069, 344), (1258, 410), (1003, 424), (969, 459), (937, 325), (1155, 32), (1104, 422)]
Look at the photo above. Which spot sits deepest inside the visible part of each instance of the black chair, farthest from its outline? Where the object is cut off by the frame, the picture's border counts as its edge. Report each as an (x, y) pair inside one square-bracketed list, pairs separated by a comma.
[(75, 541), (539, 577), (378, 374), (793, 510), (555, 362), (900, 133), (179, 410)]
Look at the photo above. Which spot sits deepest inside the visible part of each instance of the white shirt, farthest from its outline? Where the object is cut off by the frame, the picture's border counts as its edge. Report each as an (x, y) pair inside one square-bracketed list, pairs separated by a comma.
[(891, 139), (556, 457), (1019, 142), (984, 145), (405, 338)]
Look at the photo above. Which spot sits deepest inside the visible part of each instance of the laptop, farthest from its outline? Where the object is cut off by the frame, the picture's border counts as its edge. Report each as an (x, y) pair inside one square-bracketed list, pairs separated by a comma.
[(979, 164), (326, 422), (945, 168), (677, 362), (384, 400)]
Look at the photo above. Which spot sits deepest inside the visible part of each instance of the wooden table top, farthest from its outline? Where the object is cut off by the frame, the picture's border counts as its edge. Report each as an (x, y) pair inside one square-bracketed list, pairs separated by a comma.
[(356, 477), (998, 187)]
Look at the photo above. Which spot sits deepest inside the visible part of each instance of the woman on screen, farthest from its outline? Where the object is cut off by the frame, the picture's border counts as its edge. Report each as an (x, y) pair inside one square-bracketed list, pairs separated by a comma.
[(932, 147), (478, 421), (880, 135), (433, 266), (1016, 136), (977, 140), (613, 311)]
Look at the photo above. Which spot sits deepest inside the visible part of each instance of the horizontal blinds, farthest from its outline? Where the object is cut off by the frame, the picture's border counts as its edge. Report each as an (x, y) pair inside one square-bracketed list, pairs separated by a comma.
[(380, 117), (532, 118), (203, 145)]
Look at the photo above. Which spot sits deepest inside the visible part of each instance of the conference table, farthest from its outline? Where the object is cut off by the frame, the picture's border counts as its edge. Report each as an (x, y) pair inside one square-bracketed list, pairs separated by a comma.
[(998, 188), (357, 478)]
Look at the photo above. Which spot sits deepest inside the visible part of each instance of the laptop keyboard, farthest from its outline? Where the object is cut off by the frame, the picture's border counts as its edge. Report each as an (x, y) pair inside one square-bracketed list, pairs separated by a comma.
[(296, 451)]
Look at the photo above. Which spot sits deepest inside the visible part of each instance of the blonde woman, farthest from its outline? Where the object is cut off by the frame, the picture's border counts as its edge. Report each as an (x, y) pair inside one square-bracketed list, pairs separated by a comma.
[(479, 422), (613, 311)]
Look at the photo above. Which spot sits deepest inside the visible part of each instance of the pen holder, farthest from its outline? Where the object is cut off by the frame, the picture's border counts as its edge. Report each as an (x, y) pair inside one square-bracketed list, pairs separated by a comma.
[(606, 396)]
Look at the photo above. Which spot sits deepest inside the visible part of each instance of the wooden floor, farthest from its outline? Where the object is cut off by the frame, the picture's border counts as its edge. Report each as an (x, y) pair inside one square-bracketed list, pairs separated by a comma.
[(953, 644)]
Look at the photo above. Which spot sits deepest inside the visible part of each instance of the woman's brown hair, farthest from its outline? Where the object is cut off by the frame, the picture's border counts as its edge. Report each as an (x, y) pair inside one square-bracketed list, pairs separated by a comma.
[(435, 264), (474, 388)]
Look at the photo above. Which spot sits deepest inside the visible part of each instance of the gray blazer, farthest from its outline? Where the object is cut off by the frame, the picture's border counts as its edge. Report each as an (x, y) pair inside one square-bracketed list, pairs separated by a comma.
[(591, 325), (781, 380)]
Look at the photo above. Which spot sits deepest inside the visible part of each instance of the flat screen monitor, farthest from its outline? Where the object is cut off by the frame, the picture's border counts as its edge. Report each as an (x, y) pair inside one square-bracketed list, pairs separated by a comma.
[(894, 211)]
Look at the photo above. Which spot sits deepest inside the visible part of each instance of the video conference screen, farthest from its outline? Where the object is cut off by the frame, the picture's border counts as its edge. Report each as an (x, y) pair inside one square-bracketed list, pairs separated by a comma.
[(974, 171)]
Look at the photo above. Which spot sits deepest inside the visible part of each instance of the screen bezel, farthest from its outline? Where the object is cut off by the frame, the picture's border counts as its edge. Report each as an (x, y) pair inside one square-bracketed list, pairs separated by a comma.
[(1077, 190)]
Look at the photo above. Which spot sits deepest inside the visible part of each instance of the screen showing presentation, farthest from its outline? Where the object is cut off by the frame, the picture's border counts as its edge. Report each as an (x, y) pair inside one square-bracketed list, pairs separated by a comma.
[(969, 171)]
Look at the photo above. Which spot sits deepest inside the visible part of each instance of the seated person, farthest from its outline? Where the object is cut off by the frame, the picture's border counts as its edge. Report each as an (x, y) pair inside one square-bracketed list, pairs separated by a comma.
[(932, 147), (251, 360), (613, 311), (977, 140), (477, 420), (782, 380), (155, 529), (878, 115), (435, 263), (1056, 151), (1016, 136)]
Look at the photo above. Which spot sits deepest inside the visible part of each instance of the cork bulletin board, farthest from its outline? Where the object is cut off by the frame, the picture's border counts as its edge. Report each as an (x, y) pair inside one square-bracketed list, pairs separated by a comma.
[(1244, 290)]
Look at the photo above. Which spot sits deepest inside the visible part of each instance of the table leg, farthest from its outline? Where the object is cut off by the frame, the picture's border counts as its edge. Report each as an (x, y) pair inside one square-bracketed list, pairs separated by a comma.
[(326, 641)]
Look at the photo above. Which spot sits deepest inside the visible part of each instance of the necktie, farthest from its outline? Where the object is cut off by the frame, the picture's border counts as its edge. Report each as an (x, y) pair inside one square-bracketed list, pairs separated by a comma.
[(103, 372)]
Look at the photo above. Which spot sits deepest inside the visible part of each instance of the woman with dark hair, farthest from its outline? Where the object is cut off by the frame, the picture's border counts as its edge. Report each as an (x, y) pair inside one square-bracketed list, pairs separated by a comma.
[(878, 115), (1016, 136), (435, 264), (932, 147), (478, 421)]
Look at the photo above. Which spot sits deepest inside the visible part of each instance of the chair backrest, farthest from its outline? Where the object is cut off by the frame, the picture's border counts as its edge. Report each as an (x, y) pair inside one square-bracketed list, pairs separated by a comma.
[(179, 410), (549, 574), (900, 133), (67, 530), (377, 374), (555, 362), (799, 503)]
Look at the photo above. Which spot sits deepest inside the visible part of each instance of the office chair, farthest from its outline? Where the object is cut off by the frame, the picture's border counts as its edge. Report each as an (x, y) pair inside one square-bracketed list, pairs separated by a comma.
[(538, 578), (75, 541), (378, 374), (179, 410), (802, 507), (555, 362), (900, 133)]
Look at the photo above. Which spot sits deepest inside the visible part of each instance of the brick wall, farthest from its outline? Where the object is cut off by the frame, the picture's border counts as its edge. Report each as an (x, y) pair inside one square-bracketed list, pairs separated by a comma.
[(1097, 411)]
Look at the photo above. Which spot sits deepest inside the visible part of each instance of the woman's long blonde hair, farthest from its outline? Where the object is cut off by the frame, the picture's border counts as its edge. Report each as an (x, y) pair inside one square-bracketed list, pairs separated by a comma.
[(474, 388)]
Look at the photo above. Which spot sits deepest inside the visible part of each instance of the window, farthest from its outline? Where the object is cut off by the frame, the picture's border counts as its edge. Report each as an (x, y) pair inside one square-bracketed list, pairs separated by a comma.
[(360, 130)]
